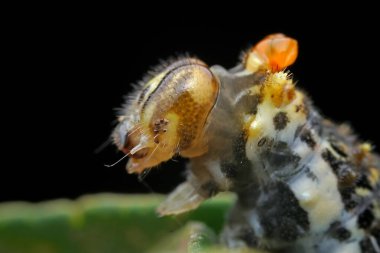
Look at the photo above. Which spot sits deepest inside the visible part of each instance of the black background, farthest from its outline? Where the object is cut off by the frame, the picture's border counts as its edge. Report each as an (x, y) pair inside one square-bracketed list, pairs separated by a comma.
[(74, 70)]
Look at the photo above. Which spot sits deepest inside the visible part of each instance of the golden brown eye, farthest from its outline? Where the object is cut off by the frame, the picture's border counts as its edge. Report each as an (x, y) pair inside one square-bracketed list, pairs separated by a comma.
[(168, 115), (177, 110)]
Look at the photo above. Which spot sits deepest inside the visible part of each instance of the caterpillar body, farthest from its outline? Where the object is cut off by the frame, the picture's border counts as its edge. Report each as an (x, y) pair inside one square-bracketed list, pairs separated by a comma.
[(303, 183)]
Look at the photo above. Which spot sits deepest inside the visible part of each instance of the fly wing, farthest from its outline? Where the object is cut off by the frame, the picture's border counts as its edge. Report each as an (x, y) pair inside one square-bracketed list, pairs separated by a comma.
[(184, 198)]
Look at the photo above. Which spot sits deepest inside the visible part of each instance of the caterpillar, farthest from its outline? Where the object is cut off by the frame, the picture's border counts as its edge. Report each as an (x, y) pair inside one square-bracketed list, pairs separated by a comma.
[(303, 183)]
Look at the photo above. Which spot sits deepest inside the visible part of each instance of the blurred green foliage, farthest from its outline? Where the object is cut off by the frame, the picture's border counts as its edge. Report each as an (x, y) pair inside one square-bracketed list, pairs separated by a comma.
[(109, 223)]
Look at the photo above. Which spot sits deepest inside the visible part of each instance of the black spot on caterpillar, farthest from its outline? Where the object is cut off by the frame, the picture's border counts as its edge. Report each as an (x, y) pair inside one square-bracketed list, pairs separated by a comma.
[(280, 120)]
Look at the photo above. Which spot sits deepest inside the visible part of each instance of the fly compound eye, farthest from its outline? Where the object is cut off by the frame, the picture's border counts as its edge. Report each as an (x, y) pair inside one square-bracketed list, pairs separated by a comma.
[(275, 52), (170, 115)]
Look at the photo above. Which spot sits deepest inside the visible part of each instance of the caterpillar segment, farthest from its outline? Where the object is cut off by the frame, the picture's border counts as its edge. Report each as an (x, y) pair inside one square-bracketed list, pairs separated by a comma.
[(303, 183)]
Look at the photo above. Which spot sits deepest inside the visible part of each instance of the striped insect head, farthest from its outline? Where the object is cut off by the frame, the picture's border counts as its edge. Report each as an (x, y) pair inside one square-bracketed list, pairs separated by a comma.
[(167, 115)]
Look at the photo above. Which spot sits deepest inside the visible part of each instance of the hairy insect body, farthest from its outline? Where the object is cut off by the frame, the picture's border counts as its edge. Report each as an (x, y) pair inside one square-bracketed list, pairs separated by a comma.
[(304, 184)]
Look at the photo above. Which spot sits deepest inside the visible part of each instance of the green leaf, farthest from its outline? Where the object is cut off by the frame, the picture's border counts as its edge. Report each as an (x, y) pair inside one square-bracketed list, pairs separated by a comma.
[(108, 223)]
